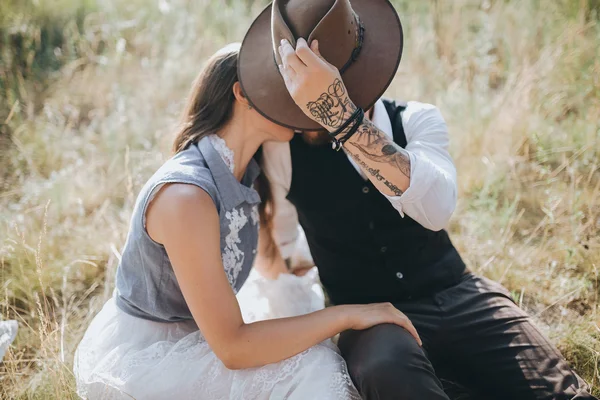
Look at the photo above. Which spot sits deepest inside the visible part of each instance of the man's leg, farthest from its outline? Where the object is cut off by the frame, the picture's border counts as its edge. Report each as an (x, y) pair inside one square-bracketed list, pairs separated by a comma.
[(498, 350), (386, 363)]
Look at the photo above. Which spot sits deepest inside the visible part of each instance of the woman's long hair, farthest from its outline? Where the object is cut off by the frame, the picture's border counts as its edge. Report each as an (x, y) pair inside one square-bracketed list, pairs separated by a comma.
[(208, 109)]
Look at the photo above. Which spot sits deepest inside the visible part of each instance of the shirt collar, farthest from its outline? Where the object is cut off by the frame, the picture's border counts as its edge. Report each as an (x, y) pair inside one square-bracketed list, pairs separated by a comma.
[(232, 192), (381, 119)]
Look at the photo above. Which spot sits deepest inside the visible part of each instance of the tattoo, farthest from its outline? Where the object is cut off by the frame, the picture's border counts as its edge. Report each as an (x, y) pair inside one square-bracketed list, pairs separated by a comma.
[(332, 107), (388, 150), (391, 153), (376, 173), (370, 134)]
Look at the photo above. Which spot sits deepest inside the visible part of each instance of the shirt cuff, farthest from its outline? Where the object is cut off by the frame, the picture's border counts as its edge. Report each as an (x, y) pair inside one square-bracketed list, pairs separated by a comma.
[(422, 176)]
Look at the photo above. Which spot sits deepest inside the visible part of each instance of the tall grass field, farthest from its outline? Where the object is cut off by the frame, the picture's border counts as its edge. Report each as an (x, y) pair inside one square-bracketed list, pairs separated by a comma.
[(90, 91)]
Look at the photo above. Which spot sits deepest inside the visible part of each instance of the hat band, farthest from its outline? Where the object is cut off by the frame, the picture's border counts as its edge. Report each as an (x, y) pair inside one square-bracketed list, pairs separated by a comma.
[(359, 43)]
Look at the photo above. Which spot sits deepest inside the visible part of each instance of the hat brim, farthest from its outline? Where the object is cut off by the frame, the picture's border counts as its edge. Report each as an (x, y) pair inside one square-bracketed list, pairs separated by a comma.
[(366, 79)]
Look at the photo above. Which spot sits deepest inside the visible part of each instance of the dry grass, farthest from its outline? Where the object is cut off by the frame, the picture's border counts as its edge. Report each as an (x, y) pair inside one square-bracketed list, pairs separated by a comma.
[(518, 82)]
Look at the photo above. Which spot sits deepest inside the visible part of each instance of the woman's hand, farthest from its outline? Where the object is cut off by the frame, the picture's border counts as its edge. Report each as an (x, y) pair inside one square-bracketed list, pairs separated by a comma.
[(315, 85), (368, 315)]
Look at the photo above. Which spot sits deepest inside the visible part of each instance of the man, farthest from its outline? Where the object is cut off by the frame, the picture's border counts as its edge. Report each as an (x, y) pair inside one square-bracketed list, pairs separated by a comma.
[(374, 213)]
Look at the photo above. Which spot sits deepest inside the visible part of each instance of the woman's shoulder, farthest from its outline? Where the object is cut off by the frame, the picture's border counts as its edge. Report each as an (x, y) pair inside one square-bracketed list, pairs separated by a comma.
[(188, 167), (177, 205)]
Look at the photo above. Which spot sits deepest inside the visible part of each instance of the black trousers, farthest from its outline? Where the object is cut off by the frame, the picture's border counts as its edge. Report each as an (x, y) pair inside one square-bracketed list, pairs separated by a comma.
[(477, 345)]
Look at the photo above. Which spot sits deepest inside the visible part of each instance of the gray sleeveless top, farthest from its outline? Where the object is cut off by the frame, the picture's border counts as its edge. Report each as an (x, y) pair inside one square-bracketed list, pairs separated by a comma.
[(146, 286)]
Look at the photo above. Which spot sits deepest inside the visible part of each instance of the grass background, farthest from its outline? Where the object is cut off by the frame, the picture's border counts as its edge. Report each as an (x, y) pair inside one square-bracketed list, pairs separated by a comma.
[(90, 91)]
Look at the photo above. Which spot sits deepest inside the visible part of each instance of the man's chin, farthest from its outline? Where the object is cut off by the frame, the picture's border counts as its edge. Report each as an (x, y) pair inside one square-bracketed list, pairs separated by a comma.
[(316, 138)]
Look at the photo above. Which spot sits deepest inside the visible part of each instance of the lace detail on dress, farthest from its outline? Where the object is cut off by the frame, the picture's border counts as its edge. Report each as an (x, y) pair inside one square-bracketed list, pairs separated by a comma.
[(288, 296), (255, 215), (163, 359), (233, 257), (224, 151), (266, 378)]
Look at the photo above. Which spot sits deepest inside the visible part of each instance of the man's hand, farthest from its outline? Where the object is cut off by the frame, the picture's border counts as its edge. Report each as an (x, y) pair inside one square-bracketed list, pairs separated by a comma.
[(315, 85), (317, 88)]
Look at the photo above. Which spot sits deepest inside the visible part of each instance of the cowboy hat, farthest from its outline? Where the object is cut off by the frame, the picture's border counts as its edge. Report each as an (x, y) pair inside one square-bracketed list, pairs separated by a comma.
[(362, 38)]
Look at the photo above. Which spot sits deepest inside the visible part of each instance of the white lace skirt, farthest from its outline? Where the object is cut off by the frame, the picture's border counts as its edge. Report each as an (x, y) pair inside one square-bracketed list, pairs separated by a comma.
[(124, 357)]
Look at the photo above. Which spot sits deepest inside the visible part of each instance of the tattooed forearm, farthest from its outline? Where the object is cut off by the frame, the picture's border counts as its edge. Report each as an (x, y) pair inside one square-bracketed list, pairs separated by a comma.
[(332, 108), (390, 153), (369, 134), (376, 173), (372, 148)]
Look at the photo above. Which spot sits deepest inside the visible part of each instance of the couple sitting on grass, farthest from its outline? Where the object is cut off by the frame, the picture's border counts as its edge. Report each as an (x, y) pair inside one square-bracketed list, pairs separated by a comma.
[(290, 128)]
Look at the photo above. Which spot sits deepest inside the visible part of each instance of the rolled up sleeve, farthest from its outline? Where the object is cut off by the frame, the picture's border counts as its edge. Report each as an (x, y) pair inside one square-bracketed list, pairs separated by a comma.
[(431, 197)]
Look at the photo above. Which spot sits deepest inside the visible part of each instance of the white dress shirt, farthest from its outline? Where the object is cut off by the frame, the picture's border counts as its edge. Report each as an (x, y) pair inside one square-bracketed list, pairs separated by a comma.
[(430, 199)]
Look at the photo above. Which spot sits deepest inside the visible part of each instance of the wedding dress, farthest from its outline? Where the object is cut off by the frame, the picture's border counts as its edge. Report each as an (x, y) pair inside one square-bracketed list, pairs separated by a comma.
[(142, 359), (126, 357)]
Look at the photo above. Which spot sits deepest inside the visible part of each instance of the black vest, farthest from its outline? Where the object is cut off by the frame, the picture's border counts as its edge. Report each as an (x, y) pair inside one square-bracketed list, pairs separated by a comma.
[(366, 252)]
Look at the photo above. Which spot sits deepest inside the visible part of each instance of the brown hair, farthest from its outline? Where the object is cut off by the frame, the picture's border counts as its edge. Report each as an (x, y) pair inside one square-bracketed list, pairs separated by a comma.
[(209, 107)]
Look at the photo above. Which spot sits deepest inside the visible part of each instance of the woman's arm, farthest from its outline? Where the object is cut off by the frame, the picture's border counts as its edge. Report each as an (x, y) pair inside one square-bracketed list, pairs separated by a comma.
[(269, 264), (184, 219), (277, 166)]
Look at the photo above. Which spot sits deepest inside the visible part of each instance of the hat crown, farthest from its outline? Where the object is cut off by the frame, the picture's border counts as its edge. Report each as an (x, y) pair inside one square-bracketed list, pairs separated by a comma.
[(362, 38), (332, 22), (302, 16)]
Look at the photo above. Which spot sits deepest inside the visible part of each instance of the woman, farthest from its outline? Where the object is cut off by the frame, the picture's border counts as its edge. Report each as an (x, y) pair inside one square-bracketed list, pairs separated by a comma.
[(174, 328)]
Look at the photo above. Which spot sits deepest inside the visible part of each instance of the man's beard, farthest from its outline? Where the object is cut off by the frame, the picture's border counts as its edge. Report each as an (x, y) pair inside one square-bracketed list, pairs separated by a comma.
[(316, 138)]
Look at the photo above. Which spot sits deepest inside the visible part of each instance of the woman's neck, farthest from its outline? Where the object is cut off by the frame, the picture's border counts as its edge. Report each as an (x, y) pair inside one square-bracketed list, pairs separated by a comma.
[(243, 142)]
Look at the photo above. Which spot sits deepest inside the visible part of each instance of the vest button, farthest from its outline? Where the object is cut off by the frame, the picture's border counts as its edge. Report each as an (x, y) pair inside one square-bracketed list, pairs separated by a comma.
[(383, 249), (400, 275), (365, 189)]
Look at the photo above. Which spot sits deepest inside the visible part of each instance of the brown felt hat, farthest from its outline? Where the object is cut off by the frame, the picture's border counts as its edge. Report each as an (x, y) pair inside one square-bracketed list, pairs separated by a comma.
[(362, 38)]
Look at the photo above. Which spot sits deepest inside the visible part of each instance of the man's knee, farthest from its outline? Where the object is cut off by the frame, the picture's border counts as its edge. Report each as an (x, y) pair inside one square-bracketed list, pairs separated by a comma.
[(404, 374), (386, 362), (380, 374), (385, 357)]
